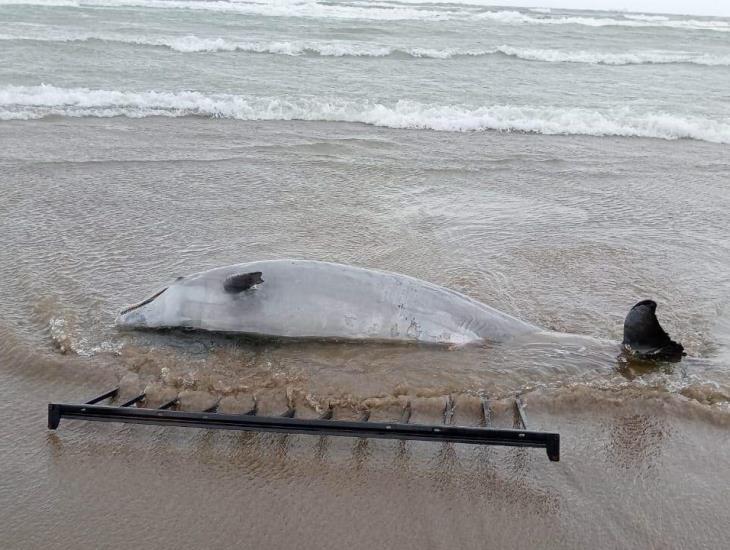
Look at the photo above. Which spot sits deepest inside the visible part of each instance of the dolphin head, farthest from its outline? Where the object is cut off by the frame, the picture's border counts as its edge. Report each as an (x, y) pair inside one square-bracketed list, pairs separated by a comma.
[(201, 300), (149, 313)]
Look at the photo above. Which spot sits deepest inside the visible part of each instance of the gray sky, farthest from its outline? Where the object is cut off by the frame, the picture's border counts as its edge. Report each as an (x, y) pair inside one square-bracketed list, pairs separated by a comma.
[(697, 7)]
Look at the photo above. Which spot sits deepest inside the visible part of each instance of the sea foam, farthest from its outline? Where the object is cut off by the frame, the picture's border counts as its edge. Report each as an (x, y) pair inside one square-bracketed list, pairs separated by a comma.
[(30, 102)]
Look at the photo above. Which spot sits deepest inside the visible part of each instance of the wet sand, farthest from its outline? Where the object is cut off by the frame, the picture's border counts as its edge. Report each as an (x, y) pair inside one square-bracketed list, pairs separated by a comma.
[(563, 232)]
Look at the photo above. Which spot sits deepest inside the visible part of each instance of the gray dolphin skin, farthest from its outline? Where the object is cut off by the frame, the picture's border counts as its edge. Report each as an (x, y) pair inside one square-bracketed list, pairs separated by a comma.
[(310, 299)]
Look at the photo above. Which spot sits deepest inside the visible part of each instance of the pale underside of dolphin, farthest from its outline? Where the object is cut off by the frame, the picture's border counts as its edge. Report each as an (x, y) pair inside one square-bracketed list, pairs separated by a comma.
[(321, 300)]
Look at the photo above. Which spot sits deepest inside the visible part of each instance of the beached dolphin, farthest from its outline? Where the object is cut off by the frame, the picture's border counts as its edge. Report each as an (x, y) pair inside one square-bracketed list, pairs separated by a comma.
[(310, 299)]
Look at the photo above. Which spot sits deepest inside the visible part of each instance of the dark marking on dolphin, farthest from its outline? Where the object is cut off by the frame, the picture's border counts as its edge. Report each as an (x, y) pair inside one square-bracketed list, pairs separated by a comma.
[(143, 302), (243, 281)]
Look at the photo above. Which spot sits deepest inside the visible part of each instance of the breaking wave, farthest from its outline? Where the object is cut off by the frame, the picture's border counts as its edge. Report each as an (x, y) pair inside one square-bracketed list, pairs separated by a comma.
[(618, 58), (643, 17), (194, 44), (32, 102), (307, 9), (393, 11), (517, 17)]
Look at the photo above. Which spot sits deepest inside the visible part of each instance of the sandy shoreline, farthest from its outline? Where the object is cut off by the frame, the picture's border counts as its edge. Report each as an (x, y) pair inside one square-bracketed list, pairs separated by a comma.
[(630, 474)]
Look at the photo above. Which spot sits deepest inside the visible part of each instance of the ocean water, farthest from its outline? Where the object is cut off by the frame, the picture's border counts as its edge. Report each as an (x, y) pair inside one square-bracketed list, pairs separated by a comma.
[(558, 165), (447, 67)]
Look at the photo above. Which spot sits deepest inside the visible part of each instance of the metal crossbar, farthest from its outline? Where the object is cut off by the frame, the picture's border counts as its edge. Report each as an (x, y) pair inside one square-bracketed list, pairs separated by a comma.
[(287, 424)]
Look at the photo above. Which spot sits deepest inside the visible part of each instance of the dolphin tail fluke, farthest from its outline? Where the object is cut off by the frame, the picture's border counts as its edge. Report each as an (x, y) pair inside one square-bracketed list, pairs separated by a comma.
[(645, 338)]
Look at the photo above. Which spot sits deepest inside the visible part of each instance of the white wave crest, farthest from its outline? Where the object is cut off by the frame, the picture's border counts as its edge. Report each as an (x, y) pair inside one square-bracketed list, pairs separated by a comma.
[(30, 102), (194, 44), (622, 58), (644, 17), (516, 17), (272, 8), (191, 44), (51, 3), (393, 11)]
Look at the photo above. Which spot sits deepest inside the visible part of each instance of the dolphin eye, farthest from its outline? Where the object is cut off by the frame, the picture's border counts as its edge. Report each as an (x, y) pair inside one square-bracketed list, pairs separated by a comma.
[(142, 303)]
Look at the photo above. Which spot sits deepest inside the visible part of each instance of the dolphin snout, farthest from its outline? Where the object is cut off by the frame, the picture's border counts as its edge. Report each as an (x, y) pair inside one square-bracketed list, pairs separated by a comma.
[(131, 319)]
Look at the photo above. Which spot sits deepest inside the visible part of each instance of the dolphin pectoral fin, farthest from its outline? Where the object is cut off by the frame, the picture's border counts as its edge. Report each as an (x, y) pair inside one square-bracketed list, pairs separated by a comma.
[(242, 281)]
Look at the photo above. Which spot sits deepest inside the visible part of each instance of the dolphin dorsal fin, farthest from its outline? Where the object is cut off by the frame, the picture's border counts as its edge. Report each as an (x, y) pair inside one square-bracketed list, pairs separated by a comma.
[(242, 281)]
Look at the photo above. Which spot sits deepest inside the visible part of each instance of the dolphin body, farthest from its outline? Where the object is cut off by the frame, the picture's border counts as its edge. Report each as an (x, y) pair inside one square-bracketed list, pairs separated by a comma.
[(321, 300), (309, 299)]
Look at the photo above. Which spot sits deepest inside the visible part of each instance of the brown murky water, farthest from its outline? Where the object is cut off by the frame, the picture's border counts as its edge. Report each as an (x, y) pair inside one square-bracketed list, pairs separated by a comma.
[(565, 232)]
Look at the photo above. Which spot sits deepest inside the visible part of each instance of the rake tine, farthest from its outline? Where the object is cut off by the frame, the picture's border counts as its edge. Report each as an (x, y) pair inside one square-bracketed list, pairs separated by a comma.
[(213, 408), (168, 405), (520, 412), (107, 395), (406, 416), (449, 410), (134, 400), (487, 411)]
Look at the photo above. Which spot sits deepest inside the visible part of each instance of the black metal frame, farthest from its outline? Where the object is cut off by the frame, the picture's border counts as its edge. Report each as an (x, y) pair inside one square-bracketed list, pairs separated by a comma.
[(285, 424)]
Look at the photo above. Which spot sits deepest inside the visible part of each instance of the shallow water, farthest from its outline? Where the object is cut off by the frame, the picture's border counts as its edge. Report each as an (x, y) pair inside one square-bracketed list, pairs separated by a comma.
[(564, 232)]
